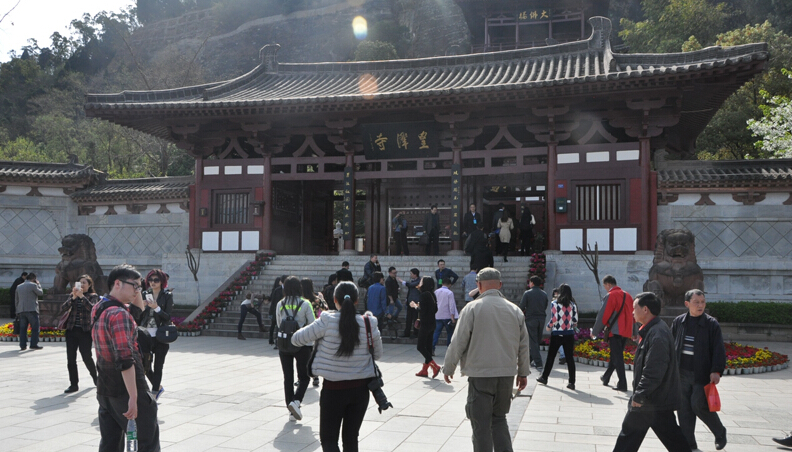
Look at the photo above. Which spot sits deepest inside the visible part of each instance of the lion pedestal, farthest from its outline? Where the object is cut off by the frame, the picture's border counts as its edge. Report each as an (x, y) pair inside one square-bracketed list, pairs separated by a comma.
[(674, 269)]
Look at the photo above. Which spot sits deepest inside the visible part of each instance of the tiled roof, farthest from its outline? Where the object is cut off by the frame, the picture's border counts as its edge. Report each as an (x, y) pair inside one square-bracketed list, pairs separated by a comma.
[(323, 84), (137, 190), (742, 173), (47, 173)]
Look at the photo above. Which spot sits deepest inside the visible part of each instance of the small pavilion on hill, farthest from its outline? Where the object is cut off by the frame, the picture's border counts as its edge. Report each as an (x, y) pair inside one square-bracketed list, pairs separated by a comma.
[(566, 130)]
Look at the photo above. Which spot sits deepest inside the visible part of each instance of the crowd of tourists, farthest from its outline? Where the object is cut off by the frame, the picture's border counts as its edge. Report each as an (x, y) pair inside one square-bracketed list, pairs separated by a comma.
[(327, 334)]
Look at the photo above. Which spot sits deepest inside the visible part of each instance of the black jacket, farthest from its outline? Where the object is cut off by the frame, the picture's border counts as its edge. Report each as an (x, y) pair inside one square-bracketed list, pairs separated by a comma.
[(165, 303), (369, 269), (655, 371), (468, 226), (275, 297), (476, 243), (708, 350), (344, 275)]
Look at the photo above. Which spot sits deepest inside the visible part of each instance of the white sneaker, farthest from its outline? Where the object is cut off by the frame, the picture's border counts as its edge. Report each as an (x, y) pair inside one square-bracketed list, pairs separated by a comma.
[(294, 409), (292, 418)]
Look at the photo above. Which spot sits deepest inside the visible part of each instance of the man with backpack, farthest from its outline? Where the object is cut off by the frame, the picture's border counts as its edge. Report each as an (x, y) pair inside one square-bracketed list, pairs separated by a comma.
[(292, 313)]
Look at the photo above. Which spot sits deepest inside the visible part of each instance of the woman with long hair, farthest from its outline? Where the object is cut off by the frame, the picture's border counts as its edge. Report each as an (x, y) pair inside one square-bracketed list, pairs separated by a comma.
[(527, 222), (157, 313), (562, 325), (318, 304), (343, 359), (427, 308), (295, 306), (78, 330), (505, 225), (275, 296)]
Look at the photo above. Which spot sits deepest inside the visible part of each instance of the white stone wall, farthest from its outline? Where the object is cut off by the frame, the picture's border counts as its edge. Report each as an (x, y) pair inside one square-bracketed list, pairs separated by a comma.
[(745, 251)]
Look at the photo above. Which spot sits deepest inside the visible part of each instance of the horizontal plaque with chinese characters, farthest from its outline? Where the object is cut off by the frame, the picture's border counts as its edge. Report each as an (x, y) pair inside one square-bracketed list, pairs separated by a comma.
[(406, 140)]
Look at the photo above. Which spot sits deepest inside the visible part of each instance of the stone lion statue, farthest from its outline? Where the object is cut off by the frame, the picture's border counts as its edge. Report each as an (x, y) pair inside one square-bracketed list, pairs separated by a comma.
[(674, 269), (78, 257)]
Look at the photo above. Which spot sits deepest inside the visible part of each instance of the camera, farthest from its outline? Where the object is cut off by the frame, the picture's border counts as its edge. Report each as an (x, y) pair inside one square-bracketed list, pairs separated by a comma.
[(375, 386)]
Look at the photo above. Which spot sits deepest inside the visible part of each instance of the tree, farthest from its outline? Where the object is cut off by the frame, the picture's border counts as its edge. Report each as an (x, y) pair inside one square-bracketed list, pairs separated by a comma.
[(375, 51), (775, 128), (670, 23), (727, 135)]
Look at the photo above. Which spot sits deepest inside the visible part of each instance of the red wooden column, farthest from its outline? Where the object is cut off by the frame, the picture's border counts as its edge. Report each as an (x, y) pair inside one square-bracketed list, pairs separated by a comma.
[(644, 160), (349, 201), (456, 198), (266, 227), (552, 163)]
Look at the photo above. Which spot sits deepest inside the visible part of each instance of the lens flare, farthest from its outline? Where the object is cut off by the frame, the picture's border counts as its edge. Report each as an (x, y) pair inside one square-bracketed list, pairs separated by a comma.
[(367, 84), (360, 27)]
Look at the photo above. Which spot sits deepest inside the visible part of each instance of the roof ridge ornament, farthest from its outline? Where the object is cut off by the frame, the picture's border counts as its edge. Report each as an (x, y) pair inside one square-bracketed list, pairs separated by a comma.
[(268, 55), (601, 28)]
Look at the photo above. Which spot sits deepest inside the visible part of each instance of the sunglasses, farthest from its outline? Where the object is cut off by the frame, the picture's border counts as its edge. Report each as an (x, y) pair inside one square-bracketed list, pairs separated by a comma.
[(154, 280)]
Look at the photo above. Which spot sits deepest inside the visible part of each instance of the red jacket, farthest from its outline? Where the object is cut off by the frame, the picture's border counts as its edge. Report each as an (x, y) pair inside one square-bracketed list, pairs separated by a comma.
[(625, 321)]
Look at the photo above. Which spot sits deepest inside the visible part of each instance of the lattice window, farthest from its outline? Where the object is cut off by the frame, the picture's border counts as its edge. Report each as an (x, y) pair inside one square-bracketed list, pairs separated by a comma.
[(232, 208), (598, 202)]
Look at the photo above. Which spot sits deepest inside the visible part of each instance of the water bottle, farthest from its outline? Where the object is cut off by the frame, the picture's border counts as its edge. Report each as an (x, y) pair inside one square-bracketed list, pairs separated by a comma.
[(131, 434)]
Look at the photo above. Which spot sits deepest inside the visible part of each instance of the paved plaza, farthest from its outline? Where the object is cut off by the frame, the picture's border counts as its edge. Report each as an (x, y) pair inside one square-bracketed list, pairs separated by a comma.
[(226, 395)]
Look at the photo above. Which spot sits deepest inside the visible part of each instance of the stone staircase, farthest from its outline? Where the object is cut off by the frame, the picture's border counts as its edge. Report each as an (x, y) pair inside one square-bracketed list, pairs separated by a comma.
[(318, 268)]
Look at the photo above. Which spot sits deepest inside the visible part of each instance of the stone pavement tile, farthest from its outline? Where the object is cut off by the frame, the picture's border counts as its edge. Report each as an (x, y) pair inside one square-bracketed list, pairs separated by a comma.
[(406, 424), (417, 447), (382, 441), (56, 443), (431, 434), (198, 443), (232, 429), (528, 436)]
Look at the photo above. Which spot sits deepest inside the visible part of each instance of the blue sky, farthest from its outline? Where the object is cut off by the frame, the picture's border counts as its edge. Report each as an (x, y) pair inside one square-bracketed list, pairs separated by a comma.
[(40, 18)]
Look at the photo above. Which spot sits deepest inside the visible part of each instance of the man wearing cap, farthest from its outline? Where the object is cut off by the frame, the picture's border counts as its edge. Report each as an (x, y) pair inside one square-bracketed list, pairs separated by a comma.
[(491, 342)]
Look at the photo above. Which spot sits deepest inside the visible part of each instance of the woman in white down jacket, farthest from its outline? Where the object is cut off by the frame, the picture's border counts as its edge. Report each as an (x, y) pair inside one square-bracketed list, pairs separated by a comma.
[(343, 360)]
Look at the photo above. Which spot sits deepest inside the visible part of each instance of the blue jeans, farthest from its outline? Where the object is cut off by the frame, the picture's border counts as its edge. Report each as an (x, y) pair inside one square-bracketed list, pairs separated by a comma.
[(28, 318), (398, 305), (439, 325)]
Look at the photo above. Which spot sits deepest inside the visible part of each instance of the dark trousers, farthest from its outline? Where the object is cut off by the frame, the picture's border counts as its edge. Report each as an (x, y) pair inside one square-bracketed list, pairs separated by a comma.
[(694, 404), (526, 238), (502, 248), (28, 318), (412, 316), (616, 363), (337, 406), (557, 341), (433, 245), (273, 328), (535, 326), (77, 339), (243, 312), (425, 343), (663, 423), (160, 350), (488, 403), (113, 424), (287, 363), (400, 237)]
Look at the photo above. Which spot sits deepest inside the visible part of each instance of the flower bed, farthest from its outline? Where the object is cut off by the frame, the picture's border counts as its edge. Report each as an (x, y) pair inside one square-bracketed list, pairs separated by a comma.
[(46, 334), (220, 302), (740, 359), (538, 266)]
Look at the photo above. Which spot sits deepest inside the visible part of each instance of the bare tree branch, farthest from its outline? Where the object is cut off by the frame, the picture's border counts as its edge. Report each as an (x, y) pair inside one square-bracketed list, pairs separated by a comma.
[(10, 10)]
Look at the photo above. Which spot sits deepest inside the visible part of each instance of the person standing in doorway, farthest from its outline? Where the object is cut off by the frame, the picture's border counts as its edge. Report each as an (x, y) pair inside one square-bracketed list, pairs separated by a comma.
[(432, 229), (617, 311), (400, 234), (471, 221), (702, 357), (27, 309), (655, 383), (492, 343), (534, 306)]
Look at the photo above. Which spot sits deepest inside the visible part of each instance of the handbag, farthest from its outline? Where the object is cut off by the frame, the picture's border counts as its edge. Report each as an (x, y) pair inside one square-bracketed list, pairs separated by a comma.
[(167, 333), (713, 398), (417, 324), (64, 319), (613, 319)]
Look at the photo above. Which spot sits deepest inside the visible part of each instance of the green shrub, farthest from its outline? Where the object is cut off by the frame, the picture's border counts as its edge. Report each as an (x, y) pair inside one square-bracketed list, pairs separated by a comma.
[(5, 296), (766, 312)]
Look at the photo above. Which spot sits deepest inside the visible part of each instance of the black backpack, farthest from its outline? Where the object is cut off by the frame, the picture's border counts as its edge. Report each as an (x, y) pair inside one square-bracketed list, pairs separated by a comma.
[(286, 330)]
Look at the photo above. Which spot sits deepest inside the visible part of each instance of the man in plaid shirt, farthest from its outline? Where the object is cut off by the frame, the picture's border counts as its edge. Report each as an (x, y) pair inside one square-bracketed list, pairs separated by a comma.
[(122, 391)]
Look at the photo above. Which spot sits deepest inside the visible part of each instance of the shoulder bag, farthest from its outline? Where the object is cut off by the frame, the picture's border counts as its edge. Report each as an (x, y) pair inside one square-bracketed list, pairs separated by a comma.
[(64, 319), (167, 333), (613, 319)]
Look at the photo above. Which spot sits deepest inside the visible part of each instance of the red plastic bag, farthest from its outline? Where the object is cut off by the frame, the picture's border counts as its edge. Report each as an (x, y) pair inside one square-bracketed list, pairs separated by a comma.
[(713, 399)]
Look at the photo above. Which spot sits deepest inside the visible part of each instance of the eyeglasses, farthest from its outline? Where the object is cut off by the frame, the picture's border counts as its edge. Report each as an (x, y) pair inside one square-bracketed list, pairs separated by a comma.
[(135, 286), (154, 280)]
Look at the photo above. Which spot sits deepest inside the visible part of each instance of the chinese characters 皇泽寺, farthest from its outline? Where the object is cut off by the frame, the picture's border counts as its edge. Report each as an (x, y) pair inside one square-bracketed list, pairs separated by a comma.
[(380, 141), (401, 140), (422, 136)]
